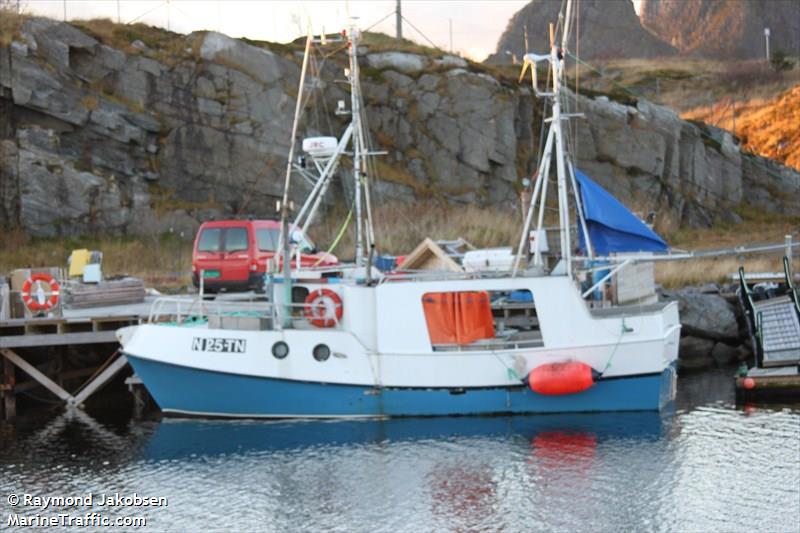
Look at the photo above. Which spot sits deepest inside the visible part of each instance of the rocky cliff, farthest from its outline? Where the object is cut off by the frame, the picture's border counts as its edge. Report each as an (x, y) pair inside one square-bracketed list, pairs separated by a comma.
[(724, 29), (604, 29), (133, 130)]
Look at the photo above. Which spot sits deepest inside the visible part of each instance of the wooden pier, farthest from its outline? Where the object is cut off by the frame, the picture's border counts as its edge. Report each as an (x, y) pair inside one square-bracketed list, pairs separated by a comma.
[(96, 327), (26, 345), (769, 384)]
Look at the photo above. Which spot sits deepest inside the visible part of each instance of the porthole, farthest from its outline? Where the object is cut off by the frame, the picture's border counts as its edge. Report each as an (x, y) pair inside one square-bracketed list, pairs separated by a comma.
[(321, 352), (280, 350)]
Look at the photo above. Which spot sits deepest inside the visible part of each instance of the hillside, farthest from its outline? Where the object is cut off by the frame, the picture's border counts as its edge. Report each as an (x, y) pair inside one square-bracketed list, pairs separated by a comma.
[(684, 84), (604, 29), (724, 29), (133, 130), (768, 127)]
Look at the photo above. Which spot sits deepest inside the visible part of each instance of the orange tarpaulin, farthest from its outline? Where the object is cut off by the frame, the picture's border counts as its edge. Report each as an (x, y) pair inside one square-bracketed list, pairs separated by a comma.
[(458, 317)]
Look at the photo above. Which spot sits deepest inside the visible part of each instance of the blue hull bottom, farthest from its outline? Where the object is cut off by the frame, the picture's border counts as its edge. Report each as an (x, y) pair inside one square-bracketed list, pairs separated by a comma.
[(191, 391)]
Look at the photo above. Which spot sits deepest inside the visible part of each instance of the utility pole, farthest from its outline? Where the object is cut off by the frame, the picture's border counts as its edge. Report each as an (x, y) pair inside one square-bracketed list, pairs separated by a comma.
[(398, 16), (118, 16), (451, 36), (65, 10), (766, 37)]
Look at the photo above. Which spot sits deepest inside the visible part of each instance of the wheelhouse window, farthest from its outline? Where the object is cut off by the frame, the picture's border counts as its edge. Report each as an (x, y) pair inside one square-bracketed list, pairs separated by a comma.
[(481, 320)]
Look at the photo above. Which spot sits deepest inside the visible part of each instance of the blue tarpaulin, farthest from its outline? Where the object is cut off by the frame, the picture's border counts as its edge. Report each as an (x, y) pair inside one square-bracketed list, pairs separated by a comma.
[(612, 228)]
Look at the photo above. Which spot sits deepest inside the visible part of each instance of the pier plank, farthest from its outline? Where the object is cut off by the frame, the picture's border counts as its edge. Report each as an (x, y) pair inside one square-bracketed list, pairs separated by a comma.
[(54, 339)]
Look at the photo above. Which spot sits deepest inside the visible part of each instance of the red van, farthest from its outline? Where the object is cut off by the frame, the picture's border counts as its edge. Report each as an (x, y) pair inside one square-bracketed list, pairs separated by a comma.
[(233, 253)]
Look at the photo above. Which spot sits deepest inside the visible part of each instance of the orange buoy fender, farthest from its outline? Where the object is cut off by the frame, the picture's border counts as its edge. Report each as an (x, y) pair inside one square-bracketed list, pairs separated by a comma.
[(568, 377)]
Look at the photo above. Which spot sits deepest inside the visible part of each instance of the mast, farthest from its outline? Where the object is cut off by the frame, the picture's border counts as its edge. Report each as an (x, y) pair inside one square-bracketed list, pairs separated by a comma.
[(358, 140), (563, 203), (284, 237), (555, 136), (355, 135)]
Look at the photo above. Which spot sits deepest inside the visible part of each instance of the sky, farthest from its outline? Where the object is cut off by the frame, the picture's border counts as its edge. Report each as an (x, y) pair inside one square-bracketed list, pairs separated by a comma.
[(476, 24)]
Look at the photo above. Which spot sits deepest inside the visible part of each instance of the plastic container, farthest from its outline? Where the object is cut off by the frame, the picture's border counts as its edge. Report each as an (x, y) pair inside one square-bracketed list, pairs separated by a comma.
[(488, 259)]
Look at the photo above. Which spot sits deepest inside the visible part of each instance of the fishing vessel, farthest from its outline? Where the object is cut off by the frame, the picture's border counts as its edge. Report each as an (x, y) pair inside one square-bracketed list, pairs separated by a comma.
[(352, 342)]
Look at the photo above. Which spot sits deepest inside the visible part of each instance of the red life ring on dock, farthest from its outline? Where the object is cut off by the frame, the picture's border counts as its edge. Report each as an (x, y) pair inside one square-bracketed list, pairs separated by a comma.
[(30, 300), (555, 379), (323, 308)]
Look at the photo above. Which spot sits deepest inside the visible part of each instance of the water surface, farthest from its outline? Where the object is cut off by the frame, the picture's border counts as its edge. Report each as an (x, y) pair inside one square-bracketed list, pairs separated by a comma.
[(705, 466)]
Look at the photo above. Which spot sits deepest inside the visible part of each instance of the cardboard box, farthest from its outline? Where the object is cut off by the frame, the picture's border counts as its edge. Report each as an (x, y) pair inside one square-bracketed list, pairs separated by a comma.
[(19, 276)]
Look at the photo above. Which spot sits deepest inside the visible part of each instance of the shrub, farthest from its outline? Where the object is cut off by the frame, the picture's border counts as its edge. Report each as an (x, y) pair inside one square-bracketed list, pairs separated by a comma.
[(780, 61)]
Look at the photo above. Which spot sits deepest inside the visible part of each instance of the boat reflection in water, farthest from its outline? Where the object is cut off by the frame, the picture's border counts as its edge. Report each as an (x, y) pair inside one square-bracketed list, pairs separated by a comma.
[(413, 474), (550, 438)]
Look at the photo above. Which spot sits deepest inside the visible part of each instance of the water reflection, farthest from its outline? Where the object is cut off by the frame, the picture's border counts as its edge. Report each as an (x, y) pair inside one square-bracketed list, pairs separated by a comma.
[(552, 435), (707, 467)]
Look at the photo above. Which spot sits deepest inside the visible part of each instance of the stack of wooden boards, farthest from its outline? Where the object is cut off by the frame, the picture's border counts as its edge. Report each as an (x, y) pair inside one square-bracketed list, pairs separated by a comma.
[(107, 292)]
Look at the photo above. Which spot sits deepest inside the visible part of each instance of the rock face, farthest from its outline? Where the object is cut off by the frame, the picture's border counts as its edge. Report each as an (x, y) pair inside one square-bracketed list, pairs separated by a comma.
[(710, 333), (689, 174), (730, 29), (606, 29), (141, 139)]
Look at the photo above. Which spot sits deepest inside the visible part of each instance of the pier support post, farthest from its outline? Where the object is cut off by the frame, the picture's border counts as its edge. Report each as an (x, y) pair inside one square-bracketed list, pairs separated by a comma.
[(9, 397)]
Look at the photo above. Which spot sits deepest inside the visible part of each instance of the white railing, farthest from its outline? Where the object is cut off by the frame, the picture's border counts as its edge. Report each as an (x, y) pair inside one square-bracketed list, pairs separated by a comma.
[(179, 310)]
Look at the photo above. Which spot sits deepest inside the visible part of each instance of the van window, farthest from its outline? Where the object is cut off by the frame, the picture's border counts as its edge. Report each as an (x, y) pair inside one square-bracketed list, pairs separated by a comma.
[(209, 240), (236, 239), (267, 239)]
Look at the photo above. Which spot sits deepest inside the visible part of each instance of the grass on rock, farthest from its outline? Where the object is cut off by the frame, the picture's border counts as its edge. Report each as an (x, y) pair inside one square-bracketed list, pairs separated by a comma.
[(164, 261)]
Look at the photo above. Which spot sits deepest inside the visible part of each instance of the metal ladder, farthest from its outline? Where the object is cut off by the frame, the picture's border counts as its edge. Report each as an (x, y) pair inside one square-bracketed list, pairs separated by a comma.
[(774, 324)]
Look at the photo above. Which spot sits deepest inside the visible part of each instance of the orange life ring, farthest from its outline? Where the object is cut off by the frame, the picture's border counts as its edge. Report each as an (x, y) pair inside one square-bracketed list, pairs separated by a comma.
[(28, 297), (323, 308)]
